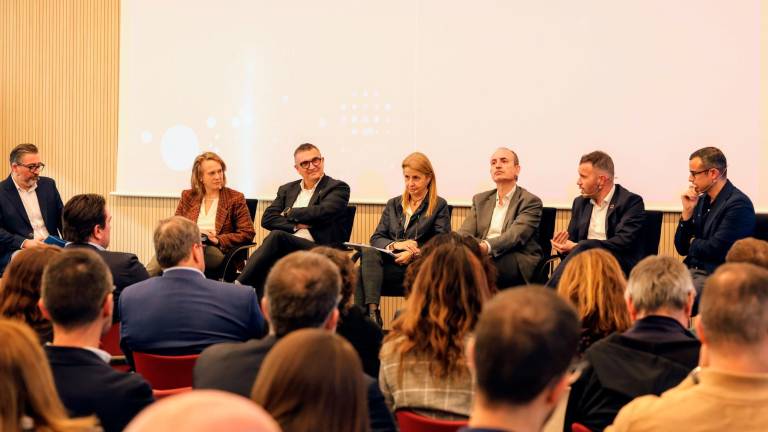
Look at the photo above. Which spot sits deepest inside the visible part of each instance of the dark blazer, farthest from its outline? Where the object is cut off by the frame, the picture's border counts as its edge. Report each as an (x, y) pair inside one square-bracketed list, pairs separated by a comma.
[(125, 267), (623, 225), (364, 335), (421, 227), (234, 225), (14, 222), (182, 312), (87, 385), (326, 207), (233, 367), (520, 232), (707, 236)]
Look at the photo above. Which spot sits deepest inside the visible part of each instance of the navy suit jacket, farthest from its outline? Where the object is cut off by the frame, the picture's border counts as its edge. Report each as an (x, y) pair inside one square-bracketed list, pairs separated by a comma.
[(326, 207), (87, 385), (14, 222), (182, 312), (707, 236), (623, 226)]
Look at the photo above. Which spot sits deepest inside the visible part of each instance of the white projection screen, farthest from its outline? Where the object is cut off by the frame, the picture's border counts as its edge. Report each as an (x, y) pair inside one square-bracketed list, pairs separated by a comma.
[(369, 82)]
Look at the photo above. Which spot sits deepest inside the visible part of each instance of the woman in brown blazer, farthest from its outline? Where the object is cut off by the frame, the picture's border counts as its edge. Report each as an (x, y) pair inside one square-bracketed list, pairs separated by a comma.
[(220, 212)]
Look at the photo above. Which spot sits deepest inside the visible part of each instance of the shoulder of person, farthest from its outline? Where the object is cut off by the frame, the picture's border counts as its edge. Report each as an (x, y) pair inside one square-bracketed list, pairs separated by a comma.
[(330, 182), (482, 196)]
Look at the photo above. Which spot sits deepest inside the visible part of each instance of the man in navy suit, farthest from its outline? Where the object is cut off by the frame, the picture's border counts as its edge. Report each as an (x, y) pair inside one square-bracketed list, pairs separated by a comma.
[(77, 298), (87, 224), (30, 205), (182, 312), (305, 213), (605, 216)]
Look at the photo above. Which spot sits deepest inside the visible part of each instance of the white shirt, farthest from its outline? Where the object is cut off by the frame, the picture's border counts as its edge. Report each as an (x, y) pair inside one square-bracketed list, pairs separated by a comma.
[(207, 221), (182, 268), (32, 207), (498, 216), (302, 201), (597, 229)]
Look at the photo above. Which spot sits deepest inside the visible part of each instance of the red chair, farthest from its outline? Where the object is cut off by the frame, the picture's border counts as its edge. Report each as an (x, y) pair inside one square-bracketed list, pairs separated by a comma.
[(110, 342), (412, 422), (578, 427), (159, 394), (165, 372)]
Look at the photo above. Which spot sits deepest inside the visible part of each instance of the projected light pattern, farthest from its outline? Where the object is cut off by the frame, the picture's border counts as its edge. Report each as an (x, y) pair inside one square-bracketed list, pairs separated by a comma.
[(362, 115), (178, 147)]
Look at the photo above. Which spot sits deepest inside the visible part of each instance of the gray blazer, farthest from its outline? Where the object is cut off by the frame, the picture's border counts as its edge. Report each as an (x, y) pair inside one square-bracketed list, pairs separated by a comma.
[(520, 232)]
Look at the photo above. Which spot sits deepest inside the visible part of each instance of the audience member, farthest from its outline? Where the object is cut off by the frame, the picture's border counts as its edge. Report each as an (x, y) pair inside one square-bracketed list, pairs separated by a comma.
[(423, 366), (87, 224), (20, 289), (28, 398), (730, 389), (77, 298), (182, 312), (303, 290), (749, 250), (312, 380), (204, 411), (524, 342), (594, 283), (364, 334), (655, 354)]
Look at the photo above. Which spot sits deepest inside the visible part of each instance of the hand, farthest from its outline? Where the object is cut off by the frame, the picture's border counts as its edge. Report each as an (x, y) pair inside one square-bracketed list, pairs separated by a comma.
[(212, 239), (30, 243), (560, 237), (403, 258), (407, 245), (689, 198), (300, 226), (564, 247), (484, 248)]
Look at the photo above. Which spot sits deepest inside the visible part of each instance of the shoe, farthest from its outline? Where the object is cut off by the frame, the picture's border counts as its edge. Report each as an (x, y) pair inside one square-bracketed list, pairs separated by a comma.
[(375, 316)]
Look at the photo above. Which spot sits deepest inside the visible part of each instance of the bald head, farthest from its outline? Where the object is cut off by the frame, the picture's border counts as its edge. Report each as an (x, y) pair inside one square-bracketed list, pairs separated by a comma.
[(204, 410)]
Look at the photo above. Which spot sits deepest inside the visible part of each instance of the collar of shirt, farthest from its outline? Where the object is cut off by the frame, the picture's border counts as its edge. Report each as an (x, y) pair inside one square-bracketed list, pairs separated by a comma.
[(181, 268), (313, 187), (101, 353), (606, 200), (20, 189), (97, 246), (507, 197)]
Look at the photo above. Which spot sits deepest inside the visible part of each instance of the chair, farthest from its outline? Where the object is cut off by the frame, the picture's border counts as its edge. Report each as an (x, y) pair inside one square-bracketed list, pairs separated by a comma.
[(761, 228), (412, 422), (165, 372), (651, 234), (240, 254), (546, 232), (159, 394), (348, 221), (578, 427), (110, 343)]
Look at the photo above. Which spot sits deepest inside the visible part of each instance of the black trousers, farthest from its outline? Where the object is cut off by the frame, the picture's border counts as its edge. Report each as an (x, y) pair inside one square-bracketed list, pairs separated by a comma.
[(508, 271), (377, 271)]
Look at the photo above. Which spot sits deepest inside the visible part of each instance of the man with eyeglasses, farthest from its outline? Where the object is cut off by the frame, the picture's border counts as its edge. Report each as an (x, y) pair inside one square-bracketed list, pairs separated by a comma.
[(30, 205), (305, 213), (715, 215)]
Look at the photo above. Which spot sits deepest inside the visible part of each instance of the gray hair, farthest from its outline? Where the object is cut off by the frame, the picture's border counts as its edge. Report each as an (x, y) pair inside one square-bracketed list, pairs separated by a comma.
[(657, 282), (174, 238), (20, 150)]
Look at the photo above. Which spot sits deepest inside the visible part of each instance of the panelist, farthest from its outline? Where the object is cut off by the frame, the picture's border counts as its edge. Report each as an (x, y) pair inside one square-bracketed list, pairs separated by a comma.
[(221, 213), (30, 205), (408, 221), (506, 222), (605, 216), (305, 213)]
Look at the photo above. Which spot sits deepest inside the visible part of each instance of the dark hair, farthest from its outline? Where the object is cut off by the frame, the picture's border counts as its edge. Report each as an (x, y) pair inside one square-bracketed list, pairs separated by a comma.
[(749, 250), (302, 290), (305, 147), (347, 271), (20, 150), (81, 214), (312, 380), (599, 160), (525, 339), (75, 284), (711, 157), (174, 239)]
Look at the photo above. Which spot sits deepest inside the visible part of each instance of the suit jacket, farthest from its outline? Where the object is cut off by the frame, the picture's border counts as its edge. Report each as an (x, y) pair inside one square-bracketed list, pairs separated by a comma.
[(623, 225), (233, 367), (520, 232), (87, 385), (234, 224), (707, 236), (420, 228), (14, 222), (182, 312), (326, 207), (125, 267)]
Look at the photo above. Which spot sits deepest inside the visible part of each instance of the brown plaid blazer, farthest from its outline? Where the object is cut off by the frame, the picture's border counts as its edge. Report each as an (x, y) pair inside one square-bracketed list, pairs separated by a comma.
[(234, 225)]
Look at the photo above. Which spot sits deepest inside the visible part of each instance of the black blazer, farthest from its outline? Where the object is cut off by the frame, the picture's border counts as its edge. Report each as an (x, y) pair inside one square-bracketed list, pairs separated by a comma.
[(421, 227), (623, 225), (326, 207), (14, 222), (87, 385), (125, 267), (707, 236)]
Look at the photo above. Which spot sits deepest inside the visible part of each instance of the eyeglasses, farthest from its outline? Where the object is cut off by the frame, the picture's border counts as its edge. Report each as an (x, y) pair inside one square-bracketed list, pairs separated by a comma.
[(695, 173), (33, 167), (315, 161)]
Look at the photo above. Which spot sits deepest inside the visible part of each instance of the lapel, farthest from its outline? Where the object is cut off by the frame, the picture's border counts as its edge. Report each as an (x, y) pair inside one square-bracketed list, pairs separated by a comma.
[(194, 209), (13, 196), (610, 216), (318, 190), (584, 218), (292, 194), (512, 208), (221, 210), (485, 213), (716, 208)]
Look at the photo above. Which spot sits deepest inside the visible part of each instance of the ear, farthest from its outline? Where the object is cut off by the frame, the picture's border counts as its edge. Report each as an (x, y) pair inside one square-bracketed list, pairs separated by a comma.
[(701, 332), (688, 308), (265, 308), (333, 319), (470, 353), (631, 308), (44, 309), (555, 392), (108, 307)]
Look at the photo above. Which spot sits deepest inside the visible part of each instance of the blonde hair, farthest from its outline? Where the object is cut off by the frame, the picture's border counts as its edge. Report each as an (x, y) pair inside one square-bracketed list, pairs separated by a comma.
[(196, 181), (419, 162)]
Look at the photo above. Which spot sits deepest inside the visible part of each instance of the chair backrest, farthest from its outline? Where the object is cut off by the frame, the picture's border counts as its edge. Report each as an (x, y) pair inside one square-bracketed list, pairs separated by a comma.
[(165, 372), (651, 234), (578, 427), (110, 342), (547, 230), (761, 228), (159, 394), (251, 204), (412, 422), (349, 220)]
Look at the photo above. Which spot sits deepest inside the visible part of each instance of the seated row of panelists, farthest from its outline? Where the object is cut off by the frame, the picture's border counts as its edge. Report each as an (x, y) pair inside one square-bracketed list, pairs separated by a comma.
[(306, 212)]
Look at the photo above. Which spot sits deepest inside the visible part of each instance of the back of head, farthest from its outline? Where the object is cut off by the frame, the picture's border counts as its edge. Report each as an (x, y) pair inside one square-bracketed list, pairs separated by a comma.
[(711, 157), (659, 282), (174, 239), (600, 160), (20, 290), (312, 380), (524, 341), (302, 290), (734, 307), (594, 282), (75, 285), (201, 411), (81, 214), (20, 150), (749, 250), (347, 271)]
